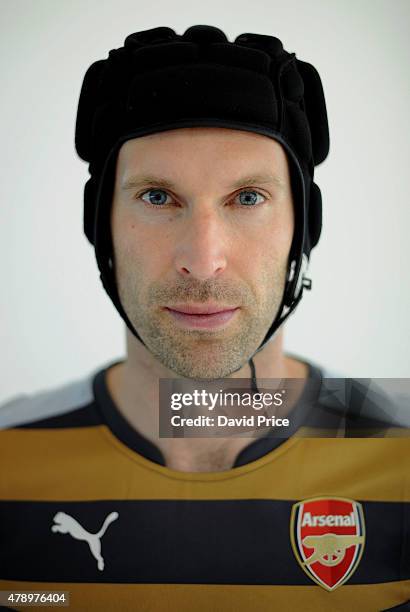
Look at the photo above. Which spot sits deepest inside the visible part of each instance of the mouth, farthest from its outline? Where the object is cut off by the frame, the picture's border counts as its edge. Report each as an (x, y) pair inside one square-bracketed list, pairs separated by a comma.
[(202, 316)]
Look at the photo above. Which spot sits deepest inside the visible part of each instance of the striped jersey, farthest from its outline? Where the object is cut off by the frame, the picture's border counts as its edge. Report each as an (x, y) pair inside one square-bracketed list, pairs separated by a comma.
[(307, 522)]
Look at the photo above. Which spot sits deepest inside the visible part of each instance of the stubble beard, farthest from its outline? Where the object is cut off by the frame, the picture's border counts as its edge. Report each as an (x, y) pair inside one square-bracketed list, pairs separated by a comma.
[(201, 354)]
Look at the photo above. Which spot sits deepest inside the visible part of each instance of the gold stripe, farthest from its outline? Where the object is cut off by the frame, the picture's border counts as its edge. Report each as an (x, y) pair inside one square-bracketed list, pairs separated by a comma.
[(90, 463), (92, 597)]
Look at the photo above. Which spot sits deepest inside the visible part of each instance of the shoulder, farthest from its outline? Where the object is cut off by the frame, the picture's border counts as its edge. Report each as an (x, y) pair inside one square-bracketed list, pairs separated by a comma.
[(366, 404), (54, 402)]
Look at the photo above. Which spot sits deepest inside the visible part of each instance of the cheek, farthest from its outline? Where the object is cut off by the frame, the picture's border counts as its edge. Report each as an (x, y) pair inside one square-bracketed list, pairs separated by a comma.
[(270, 244), (264, 257), (137, 248), (280, 239)]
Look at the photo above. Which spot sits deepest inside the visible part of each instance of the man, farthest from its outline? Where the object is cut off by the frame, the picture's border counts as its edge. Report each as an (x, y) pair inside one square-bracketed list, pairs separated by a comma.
[(203, 211)]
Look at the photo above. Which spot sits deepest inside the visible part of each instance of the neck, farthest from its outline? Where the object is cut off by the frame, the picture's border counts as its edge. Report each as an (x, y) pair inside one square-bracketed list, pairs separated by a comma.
[(134, 387)]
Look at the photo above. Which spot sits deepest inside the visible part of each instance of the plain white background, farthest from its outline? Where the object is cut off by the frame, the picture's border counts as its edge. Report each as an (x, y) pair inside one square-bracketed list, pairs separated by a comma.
[(57, 323)]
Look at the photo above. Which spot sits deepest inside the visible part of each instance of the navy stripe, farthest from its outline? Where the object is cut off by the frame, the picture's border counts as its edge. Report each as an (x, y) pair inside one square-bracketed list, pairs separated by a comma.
[(404, 607), (86, 416), (194, 542)]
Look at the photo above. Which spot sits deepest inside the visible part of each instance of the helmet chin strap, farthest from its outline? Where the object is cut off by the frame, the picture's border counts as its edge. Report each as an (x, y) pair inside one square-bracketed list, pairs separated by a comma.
[(254, 385)]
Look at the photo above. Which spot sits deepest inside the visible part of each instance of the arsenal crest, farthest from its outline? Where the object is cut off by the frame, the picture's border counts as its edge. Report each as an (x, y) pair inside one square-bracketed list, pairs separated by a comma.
[(328, 536)]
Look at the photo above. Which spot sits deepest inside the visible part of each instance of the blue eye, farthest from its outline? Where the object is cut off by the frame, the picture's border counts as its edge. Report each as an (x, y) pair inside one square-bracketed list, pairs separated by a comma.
[(156, 197), (249, 198)]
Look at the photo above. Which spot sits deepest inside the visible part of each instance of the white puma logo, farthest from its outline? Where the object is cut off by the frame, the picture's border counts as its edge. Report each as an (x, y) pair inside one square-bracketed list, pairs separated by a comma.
[(67, 524)]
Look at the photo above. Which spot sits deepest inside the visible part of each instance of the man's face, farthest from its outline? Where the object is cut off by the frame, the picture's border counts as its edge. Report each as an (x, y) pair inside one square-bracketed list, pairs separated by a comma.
[(200, 216)]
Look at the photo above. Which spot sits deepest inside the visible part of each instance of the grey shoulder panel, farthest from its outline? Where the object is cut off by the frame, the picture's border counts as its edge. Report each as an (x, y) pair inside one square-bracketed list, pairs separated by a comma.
[(45, 404), (365, 399), (329, 373)]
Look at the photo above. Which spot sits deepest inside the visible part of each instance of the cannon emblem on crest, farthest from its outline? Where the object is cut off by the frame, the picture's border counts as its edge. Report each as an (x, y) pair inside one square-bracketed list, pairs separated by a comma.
[(329, 548)]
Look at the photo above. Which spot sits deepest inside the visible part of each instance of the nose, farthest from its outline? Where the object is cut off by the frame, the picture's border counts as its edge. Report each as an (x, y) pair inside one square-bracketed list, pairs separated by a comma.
[(201, 252)]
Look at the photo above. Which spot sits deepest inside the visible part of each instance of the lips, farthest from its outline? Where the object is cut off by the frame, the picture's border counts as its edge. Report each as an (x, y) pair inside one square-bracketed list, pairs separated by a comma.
[(200, 316), (200, 309)]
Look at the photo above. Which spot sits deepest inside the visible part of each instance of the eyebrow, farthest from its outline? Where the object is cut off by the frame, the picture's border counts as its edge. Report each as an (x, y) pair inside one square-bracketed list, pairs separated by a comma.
[(137, 181)]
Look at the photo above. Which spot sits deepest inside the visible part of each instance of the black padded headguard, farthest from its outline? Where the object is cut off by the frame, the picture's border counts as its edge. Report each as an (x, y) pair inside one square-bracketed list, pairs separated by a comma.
[(252, 84)]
